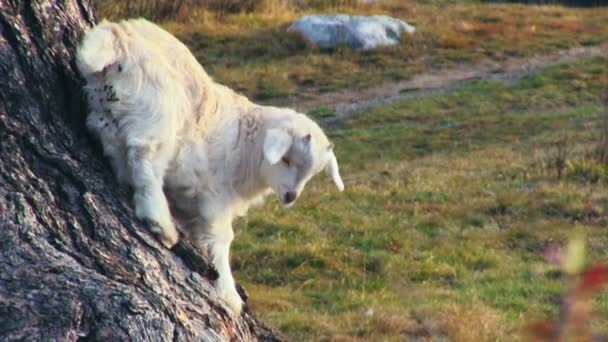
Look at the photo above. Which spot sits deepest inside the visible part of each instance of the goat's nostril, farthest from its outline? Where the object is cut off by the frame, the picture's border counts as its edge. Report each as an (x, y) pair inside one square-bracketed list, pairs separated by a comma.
[(290, 197)]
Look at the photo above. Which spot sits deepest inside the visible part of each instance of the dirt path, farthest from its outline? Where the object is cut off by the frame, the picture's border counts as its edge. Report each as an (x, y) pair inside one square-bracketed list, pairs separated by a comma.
[(348, 102)]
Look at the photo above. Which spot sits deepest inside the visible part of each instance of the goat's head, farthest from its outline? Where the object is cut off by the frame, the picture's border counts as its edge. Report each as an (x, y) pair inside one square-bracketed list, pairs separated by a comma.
[(296, 149)]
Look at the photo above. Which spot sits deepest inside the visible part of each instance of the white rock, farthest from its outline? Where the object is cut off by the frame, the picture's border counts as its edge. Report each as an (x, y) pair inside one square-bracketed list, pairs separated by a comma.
[(358, 32)]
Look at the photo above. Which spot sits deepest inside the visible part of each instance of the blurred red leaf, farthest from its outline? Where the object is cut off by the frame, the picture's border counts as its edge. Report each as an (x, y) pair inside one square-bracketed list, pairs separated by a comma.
[(593, 278)]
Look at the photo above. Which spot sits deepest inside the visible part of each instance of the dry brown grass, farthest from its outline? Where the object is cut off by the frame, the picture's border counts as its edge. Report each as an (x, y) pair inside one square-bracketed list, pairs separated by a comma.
[(455, 41), (182, 10), (472, 323)]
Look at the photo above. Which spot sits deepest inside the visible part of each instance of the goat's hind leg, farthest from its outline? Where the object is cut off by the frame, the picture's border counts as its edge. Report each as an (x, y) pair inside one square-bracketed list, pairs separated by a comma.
[(149, 199)]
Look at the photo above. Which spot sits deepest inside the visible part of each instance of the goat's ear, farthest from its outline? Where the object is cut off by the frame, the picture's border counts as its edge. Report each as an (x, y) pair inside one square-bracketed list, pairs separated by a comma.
[(331, 168), (276, 143)]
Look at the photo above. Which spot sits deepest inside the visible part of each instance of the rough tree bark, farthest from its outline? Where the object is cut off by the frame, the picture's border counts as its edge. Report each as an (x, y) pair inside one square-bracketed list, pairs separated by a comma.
[(74, 262)]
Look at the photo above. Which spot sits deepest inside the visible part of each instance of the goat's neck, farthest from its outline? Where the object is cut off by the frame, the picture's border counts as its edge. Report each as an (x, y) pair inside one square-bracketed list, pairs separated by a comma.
[(247, 177)]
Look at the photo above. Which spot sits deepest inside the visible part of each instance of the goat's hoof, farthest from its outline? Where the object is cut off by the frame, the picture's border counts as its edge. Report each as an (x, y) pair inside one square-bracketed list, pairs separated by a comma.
[(234, 301), (167, 236), (168, 241)]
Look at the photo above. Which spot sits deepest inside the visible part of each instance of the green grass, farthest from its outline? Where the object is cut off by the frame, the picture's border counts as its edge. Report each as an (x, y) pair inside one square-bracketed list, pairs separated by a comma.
[(322, 113), (449, 204)]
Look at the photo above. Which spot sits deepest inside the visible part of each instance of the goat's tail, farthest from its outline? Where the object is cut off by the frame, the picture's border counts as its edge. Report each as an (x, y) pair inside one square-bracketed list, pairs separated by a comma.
[(101, 47)]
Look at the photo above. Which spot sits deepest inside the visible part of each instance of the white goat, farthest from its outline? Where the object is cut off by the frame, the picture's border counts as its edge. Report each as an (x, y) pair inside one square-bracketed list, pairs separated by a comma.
[(167, 128)]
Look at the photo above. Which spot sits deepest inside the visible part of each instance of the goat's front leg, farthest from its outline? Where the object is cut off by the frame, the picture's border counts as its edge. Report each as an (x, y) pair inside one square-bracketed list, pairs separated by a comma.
[(217, 238), (149, 199)]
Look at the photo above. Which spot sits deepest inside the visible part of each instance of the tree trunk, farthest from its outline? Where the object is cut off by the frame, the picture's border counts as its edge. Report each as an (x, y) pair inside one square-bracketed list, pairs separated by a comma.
[(74, 261)]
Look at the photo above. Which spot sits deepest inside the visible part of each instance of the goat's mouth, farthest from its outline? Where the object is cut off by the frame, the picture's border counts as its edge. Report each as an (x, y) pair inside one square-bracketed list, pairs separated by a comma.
[(287, 199)]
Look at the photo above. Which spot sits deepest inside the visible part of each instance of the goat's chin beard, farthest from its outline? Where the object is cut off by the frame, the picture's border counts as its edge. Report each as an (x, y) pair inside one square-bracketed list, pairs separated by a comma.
[(287, 205)]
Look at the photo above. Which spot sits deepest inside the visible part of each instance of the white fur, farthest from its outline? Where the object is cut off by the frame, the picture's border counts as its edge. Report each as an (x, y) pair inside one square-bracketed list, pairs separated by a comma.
[(168, 129)]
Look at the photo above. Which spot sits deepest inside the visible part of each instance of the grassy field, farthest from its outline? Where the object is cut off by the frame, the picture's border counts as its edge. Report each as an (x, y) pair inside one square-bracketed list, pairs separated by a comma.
[(450, 199), (449, 205), (254, 54)]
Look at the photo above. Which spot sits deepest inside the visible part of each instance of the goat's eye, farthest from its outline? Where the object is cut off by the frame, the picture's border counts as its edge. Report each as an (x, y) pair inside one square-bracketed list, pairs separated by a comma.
[(286, 161)]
